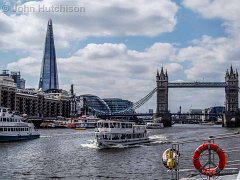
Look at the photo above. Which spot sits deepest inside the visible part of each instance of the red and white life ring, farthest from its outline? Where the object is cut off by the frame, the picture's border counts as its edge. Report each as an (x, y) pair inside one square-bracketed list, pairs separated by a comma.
[(206, 170)]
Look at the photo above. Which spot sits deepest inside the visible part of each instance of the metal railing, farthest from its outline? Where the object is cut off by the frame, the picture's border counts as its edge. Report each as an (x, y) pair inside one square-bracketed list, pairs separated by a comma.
[(232, 166)]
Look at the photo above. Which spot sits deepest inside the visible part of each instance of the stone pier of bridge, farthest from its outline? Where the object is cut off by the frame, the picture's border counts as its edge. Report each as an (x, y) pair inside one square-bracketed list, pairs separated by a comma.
[(162, 111)]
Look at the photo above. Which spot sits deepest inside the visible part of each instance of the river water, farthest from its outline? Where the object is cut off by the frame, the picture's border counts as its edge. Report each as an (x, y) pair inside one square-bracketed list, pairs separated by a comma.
[(71, 154)]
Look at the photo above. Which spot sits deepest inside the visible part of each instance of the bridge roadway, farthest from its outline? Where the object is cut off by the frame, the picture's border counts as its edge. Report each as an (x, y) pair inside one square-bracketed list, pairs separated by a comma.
[(151, 114), (196, 84)]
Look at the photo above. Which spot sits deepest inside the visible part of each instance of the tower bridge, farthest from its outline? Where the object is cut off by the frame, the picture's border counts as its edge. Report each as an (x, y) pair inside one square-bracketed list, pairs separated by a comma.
[(231, 115)]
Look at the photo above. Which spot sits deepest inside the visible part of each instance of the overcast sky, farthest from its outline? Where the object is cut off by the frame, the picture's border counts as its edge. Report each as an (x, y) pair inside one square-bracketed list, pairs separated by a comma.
[(113, 48)]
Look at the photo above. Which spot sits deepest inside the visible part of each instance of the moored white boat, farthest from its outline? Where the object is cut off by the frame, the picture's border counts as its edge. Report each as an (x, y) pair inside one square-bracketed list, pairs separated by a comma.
[(208, 123), (85, 122), (12, 128), (154, 125), (113, 133)]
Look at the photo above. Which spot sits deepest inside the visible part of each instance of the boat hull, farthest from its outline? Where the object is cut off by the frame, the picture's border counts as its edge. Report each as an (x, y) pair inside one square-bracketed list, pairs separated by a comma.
[(156, 127), (7, 138), (111, 143)]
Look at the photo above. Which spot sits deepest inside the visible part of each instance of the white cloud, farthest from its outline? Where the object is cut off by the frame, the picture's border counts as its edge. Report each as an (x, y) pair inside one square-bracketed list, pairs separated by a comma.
[(114, 70), (107, 70), (109, 18), (209, 58), (29, 66), (215, 8), (228, 11)]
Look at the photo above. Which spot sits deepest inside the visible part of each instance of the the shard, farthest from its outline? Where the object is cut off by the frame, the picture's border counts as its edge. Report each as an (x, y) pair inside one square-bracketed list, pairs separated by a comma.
[(49, 75)]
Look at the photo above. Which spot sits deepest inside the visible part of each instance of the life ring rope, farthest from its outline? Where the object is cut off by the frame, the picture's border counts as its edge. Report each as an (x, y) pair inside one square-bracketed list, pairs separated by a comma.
[(203, 169)]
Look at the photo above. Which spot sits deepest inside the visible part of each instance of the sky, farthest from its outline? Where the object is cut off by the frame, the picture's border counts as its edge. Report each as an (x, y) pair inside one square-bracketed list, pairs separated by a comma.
[(113, 48)]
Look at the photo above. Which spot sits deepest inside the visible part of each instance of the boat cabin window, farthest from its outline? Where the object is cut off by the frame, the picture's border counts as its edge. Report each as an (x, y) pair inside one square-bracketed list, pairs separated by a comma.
[(112, 125), (116, 125), (129, 125), (106, 125), (4, 110), (1, 129), (4, 119), (123, 125)]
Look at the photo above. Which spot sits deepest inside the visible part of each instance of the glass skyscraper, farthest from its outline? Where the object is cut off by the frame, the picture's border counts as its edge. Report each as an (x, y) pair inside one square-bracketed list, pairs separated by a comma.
[(49, 76)]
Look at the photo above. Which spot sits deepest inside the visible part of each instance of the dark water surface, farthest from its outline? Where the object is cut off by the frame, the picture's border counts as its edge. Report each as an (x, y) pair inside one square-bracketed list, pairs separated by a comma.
[(71, 154)]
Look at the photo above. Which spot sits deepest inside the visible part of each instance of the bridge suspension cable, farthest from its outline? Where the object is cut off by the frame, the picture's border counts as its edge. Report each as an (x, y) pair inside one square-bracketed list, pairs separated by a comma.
[(138, 103)]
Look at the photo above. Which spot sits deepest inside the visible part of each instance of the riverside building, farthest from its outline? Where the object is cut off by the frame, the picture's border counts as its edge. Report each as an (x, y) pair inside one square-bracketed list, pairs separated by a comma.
[(49, 100), (33, 102)]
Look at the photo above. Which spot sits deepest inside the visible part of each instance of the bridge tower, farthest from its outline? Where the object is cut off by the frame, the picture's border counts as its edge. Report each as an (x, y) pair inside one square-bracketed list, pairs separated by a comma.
[(162, 98), (231, 117)]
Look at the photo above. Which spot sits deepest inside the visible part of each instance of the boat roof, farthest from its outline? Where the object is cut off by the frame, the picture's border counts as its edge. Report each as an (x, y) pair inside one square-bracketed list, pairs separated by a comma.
[(114, 121)]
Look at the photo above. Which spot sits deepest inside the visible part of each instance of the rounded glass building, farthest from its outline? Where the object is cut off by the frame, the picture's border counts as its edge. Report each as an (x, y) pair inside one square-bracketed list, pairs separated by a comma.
[(92, 103)]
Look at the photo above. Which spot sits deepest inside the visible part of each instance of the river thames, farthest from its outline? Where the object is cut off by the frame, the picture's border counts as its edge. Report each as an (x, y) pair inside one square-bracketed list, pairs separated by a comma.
[(71, 154)]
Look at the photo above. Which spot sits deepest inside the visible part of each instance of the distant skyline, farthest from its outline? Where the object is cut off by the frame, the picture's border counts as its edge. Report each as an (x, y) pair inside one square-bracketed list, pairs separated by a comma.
[(114, 48)]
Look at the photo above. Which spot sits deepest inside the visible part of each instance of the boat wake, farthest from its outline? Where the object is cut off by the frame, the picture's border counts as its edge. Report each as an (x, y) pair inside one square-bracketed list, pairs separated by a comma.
[(120, 146), (45, 136), (92, 144), (158, 139)]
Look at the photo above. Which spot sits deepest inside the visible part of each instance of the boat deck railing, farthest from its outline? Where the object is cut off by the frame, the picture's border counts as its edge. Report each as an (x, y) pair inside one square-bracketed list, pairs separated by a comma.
[(183, 162)]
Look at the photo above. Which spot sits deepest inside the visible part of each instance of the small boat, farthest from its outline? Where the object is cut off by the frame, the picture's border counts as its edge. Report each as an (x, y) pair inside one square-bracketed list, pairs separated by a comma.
[(208, 123), (12, 128), (71, 123), (85, 122), (113, 133), (81, 126), (154, 125)]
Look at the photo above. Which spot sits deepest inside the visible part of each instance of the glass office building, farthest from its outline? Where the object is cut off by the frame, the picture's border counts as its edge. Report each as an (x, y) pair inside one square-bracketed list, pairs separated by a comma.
[(49, 76), (118, 105), (88, 104), (91, 104)]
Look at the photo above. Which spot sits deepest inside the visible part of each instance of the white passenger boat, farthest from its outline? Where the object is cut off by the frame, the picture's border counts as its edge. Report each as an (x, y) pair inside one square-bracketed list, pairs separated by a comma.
[(12, 128), (154, 125), (113, 133), (85, 122)]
